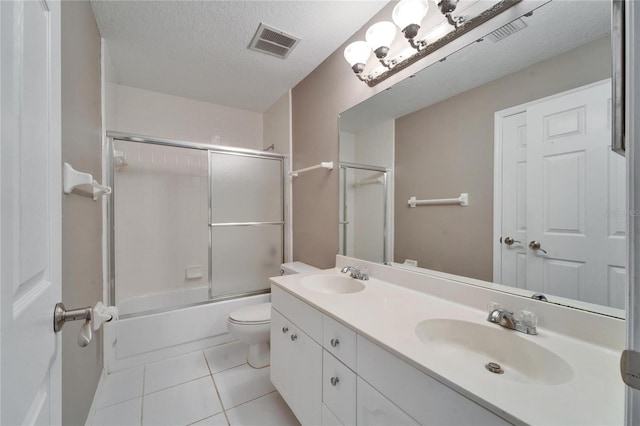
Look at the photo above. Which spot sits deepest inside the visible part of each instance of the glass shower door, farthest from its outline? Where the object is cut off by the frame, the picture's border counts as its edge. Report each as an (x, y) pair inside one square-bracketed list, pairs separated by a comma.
[(246, 222), (363, 230), (160, 208)]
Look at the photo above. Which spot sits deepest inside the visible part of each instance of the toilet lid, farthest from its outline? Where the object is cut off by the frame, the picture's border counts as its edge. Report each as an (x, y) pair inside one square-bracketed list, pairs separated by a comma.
[(258, 313)]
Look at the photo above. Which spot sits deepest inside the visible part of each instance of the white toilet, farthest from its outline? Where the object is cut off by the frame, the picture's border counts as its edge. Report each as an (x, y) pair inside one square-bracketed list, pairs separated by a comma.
[(252, 324)]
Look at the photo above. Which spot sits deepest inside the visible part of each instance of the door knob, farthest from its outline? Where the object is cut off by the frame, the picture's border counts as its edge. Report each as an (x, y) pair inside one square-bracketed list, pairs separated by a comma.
[(535, 245), (509, 241)]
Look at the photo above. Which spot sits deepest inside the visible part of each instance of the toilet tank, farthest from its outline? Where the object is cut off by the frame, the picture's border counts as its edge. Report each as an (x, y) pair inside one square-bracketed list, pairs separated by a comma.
[(296, 268)]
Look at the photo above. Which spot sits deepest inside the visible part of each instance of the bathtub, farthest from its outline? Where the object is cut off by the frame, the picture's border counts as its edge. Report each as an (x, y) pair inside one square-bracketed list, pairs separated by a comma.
[(132, 342), (162, 300)]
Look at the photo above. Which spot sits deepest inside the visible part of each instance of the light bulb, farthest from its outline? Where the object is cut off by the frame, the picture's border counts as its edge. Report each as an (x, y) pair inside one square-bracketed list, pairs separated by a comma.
[(357, 54), (409, 12), (380, 36)]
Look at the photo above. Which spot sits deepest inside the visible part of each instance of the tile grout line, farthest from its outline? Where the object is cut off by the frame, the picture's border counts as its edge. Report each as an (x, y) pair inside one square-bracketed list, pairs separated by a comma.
[(251, 400), (224, 369), (128, 399), (224, 411), (177, 384), (144, 374)]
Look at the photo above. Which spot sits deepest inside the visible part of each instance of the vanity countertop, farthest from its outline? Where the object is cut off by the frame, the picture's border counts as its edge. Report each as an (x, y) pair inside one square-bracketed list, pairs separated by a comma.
[(387, 314)]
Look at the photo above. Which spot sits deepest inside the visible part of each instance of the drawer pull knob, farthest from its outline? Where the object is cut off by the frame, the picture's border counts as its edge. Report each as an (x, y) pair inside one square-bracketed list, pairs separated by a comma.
[(285, 329), (294, 337), (335, 342), (334, 381)]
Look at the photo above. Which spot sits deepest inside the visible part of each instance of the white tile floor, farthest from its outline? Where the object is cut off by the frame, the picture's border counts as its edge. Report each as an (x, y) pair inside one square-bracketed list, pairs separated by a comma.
[(211, 387)]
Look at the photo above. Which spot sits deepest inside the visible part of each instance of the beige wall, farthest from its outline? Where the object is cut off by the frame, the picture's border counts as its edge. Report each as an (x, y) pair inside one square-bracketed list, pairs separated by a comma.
[(316, 102), (276, 125), (81, 216), (447, 148), (276, 130)]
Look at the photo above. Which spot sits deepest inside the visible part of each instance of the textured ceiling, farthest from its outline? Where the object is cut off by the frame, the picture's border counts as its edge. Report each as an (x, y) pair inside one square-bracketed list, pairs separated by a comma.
[(198, 49), (554, 28)]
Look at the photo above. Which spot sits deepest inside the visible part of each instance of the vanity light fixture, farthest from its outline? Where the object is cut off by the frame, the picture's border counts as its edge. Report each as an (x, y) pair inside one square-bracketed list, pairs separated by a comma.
[(357, 54), (408, 16), (379, 37)]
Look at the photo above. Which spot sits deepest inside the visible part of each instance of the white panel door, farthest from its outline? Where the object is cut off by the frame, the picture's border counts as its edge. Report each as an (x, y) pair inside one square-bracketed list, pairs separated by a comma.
[(30, 212), (575, 185), (514, 249)]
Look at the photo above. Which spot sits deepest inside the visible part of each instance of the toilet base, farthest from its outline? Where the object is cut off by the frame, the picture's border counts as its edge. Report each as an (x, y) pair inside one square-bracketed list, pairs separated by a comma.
[(259, 355)]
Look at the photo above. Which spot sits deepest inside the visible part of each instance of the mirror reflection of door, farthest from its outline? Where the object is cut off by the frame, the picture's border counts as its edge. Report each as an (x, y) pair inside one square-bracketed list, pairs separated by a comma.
[(562, 198)]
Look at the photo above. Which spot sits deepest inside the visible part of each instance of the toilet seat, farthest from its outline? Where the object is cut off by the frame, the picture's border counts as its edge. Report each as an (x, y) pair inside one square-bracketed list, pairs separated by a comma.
[(256, 314)]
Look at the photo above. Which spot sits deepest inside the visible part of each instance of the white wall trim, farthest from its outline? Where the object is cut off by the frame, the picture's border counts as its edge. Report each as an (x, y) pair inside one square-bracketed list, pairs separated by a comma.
[(288, 183), (632, 120)]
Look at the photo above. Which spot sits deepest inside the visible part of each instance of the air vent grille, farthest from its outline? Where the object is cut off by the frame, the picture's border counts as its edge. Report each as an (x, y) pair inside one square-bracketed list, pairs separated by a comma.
[(507, 30), (273, 42)]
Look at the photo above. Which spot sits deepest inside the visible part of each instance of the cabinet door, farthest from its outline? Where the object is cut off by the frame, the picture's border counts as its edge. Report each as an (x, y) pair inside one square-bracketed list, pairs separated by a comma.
[(373, 409), (339, 389), (281, 355), (305, 374), (296, 369)]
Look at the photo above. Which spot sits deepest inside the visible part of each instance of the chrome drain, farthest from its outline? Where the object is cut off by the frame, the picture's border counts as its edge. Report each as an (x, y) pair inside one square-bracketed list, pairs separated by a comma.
[(494, 367)]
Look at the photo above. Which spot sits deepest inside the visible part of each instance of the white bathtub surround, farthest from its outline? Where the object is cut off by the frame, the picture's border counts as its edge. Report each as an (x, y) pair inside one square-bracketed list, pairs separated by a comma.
[(136, 341), (145, 112), (385, 314), (188, 390)]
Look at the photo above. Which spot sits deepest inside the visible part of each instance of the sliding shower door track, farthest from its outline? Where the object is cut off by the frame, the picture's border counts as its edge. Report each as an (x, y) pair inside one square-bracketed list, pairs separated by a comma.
[(213, 225)]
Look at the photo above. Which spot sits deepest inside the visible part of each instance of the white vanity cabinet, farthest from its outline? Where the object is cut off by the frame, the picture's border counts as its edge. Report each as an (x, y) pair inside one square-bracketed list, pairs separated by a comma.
[(296, 369), (425, 399), (330, 375)]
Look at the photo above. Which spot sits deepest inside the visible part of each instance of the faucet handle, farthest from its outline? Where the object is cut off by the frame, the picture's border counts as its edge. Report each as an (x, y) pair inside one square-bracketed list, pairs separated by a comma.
[(492, 306), (528, 318), (364, 273)]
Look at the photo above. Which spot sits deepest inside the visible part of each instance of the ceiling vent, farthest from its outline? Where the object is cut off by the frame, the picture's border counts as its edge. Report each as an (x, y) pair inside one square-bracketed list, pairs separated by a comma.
[(507, 30), (273, 42)]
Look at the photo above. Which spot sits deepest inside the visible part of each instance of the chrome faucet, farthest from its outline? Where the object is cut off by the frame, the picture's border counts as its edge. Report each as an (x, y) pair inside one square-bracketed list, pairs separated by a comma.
[(508, 320), (355, 273)]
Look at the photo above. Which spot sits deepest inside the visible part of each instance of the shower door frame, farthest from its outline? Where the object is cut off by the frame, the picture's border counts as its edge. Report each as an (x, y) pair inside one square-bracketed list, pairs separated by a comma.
[(109, 177), (344, 165)]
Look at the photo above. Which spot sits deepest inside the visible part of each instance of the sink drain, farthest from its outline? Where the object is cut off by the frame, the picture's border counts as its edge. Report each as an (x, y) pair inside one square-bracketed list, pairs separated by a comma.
[(494, 367)]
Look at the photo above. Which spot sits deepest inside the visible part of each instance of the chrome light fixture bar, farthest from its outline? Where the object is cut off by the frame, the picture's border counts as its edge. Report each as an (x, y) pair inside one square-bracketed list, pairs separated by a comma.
[(408, 16)]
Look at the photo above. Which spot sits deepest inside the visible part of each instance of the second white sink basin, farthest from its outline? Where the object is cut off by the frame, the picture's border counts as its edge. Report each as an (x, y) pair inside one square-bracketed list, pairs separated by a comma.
[(332, 284), (468, 345)]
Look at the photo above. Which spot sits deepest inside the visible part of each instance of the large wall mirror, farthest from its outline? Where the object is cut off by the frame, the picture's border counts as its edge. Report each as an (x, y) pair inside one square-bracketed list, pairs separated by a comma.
[(520, 121)]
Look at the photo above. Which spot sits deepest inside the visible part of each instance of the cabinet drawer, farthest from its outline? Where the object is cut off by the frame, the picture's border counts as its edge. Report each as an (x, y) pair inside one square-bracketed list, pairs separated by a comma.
[(340, 341), (339, 389), (421, 396), (374, 409), (300, 313)]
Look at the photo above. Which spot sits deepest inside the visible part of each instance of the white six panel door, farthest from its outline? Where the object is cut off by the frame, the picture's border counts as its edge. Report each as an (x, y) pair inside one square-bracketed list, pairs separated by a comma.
[(30, 213), (514, 195), (575, 199)]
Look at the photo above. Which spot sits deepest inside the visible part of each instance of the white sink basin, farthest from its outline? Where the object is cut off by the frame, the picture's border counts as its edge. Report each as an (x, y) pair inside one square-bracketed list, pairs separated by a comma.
[(332, 284), (468, 345)]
